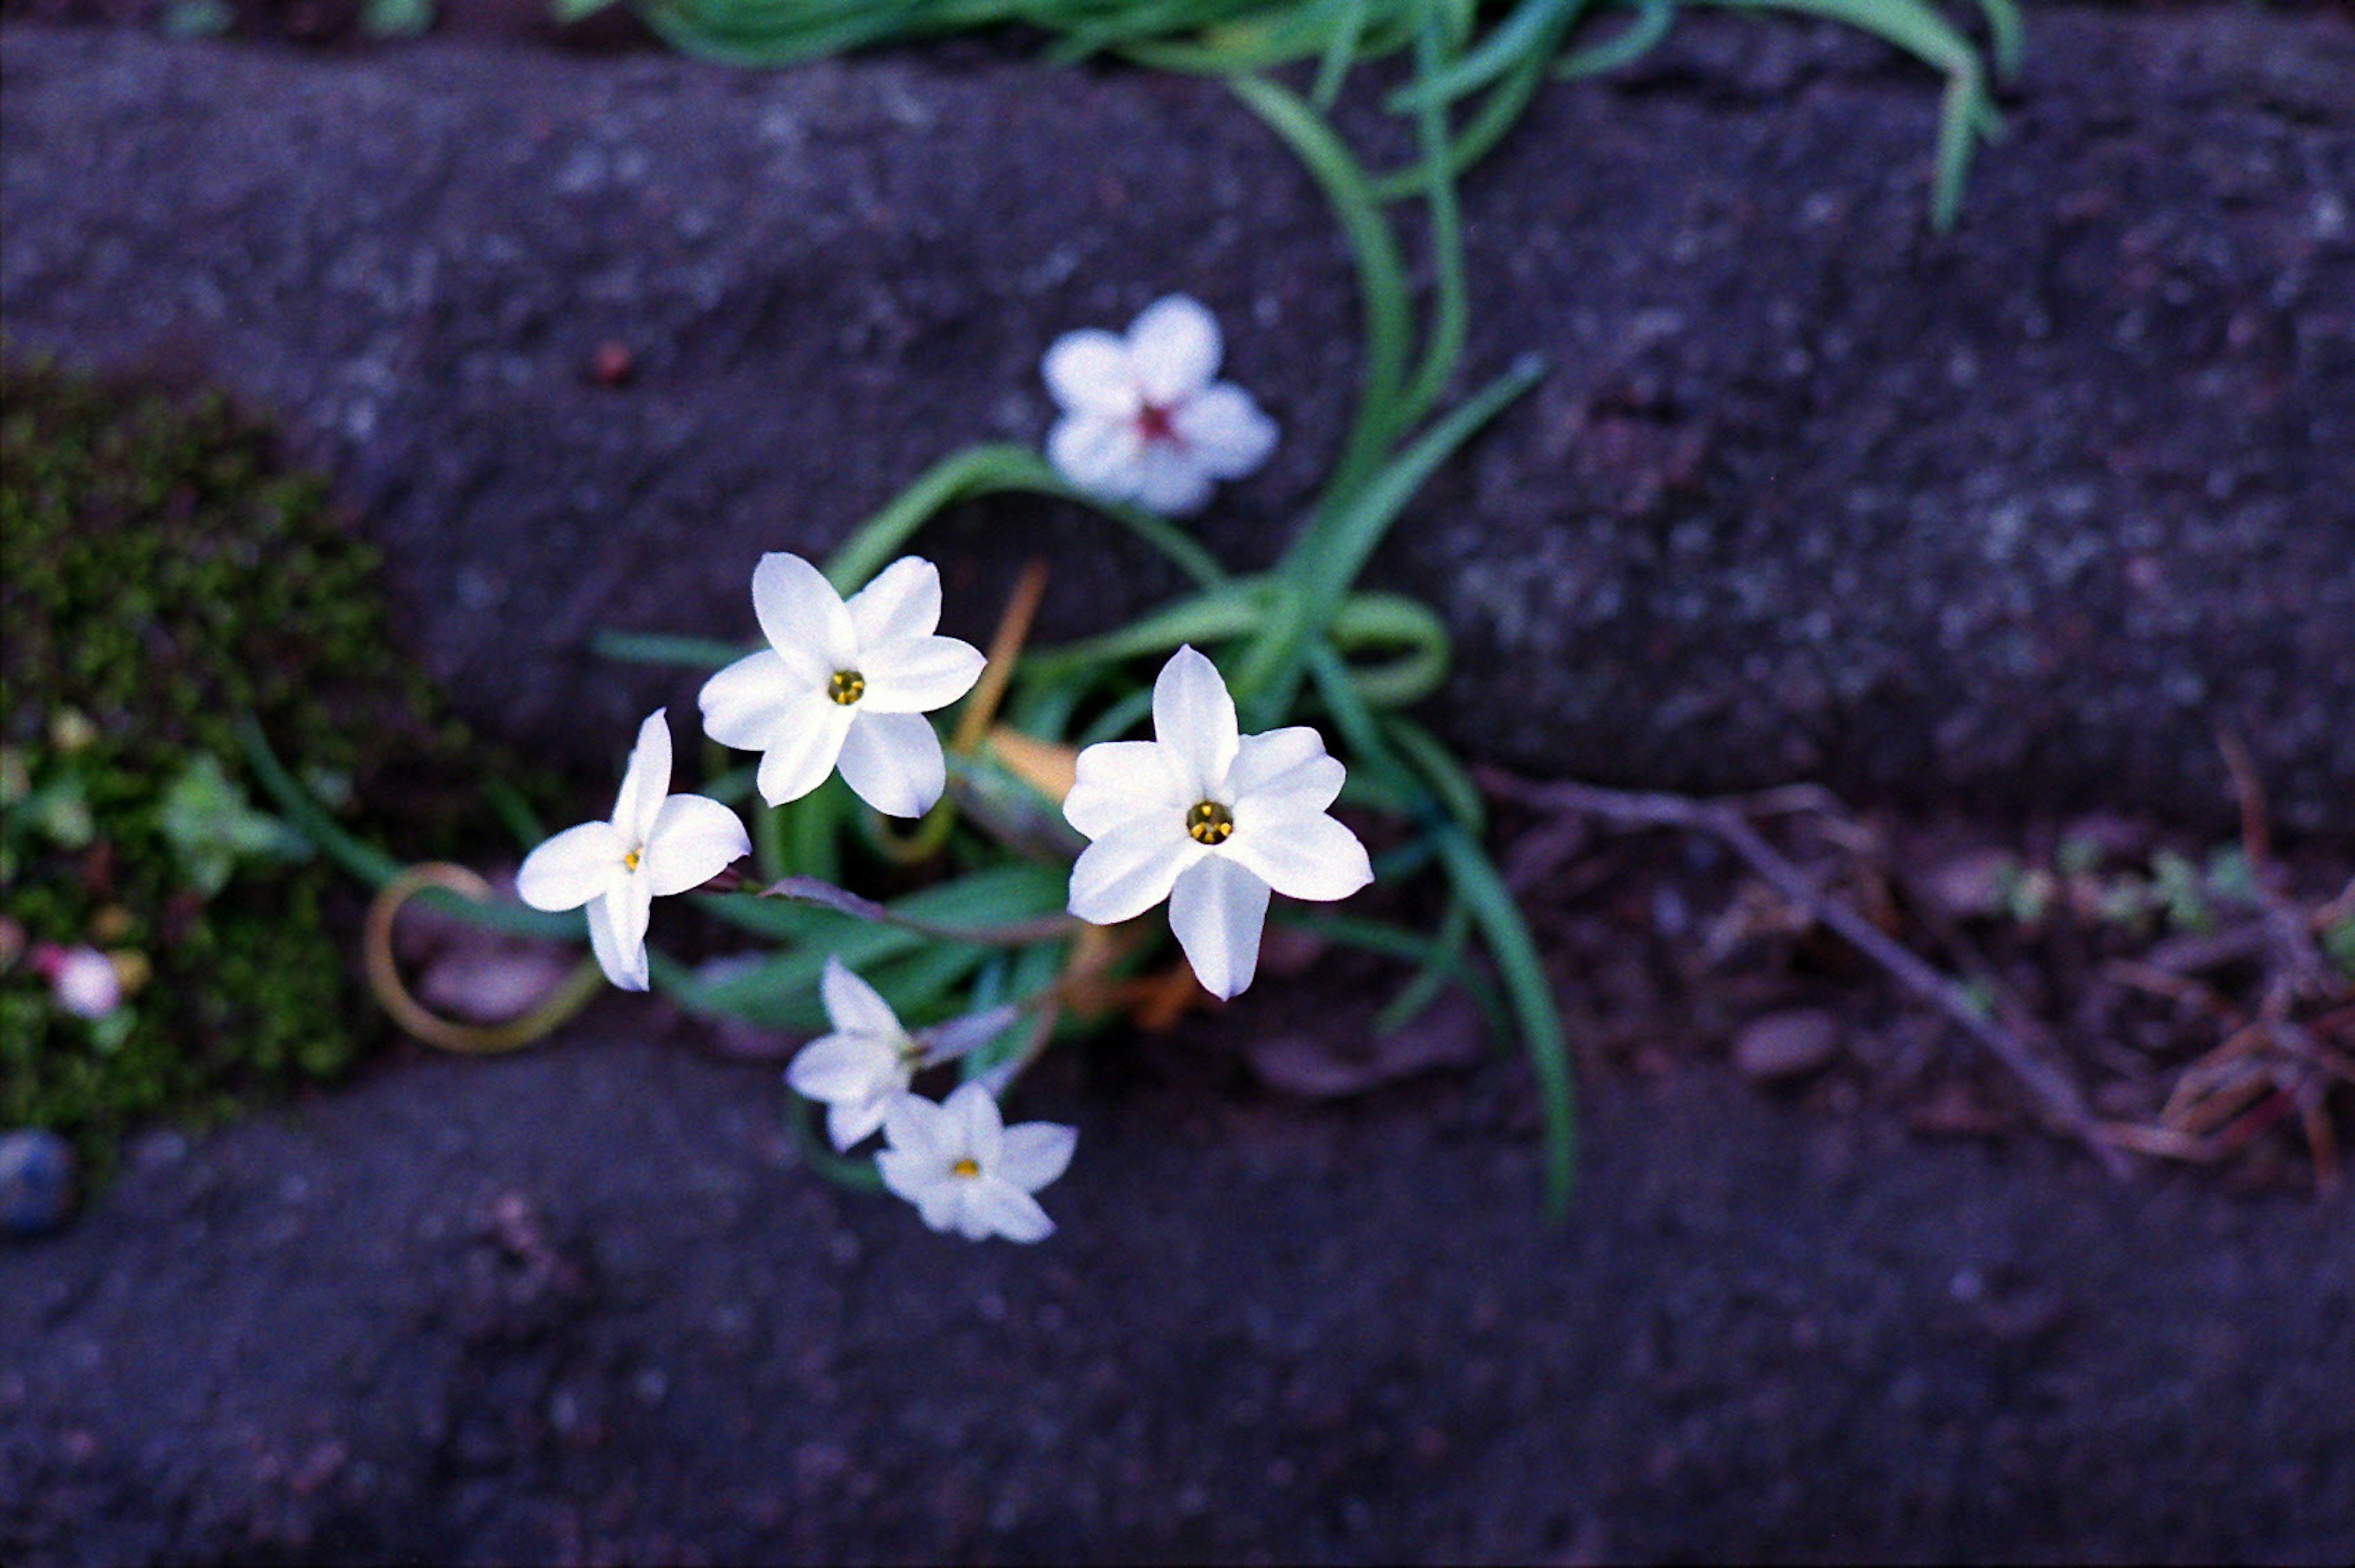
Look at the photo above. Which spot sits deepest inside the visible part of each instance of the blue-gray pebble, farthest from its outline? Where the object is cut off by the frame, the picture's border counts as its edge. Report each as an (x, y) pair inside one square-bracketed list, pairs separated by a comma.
[(37, 1181)]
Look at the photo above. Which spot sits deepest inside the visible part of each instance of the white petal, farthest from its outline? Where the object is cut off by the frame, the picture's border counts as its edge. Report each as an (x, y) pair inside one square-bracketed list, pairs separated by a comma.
[(952, 1205), (801, 613), (1034, 1153), (752, 699), (893, 761), (577, 865), (918, 1128), (802, 749), (1195, 718), (1008, 1211), (646, 781), (853, 1006), (915, 1175), (917, 674), (853, 1121), (1173, 348), (1122, 779), (903, 601), (973, 1113), (943, 1207), (1302, 857), (1169, 481), (1088, 371), (1097, 454), (1282, 774), (1223, 430), (1217, 910), (617, 933), (693, 840), (845, 1068), (1131, 869)]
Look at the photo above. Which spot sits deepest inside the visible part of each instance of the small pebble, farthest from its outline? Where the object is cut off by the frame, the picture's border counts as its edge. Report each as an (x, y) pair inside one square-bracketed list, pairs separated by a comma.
[(1786, 1045), (37, 1181)]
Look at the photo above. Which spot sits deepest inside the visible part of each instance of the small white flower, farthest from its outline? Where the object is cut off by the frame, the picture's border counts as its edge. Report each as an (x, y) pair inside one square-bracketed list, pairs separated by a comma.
[(85, 982), (1143, 419), (1211, 821), (856, 1068), (965, 1171), (657, 844), (846, 682)]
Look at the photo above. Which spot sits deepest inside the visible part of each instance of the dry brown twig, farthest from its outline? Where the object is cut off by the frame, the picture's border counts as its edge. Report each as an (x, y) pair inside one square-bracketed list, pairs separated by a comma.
[(2271, 1062), (1728, 820)]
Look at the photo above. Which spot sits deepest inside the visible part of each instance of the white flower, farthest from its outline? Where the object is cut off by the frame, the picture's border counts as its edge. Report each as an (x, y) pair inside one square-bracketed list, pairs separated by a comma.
[(965, 1171), (657, 844), (85, 982), (1143, 420), (1211, 821), (856, 1068), (846, 682)]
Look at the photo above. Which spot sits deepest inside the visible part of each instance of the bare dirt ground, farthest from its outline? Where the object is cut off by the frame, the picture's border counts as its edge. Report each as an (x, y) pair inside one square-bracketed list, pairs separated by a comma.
[(581, 1305)]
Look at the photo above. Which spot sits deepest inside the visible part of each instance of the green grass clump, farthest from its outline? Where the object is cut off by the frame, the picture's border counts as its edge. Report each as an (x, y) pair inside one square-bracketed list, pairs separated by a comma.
[(162, 577), (1491, 57)]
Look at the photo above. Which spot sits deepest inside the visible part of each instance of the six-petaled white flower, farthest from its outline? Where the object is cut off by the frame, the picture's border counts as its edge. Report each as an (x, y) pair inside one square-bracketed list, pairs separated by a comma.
[(656, 844), (965, 1171), (844, 682), (858, 1068), (1209, 820), (1144, 420)]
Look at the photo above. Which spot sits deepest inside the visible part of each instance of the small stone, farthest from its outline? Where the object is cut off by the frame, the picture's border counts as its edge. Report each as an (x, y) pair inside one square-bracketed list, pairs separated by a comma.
[(1786, 1045), (37, 1181)]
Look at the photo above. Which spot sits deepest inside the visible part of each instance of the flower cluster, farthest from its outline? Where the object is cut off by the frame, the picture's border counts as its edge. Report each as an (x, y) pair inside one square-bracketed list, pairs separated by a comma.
[(957, 1162), (1211, 820)]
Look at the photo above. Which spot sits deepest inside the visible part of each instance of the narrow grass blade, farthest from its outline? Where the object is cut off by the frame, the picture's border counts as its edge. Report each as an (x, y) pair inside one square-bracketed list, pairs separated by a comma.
[(1921, 31), (1328, 558), (1631, 43), (686, 653), (1497, 113), (1529, 31), (1507, 937), (985, 470), (1448, 781), (371, 865), (1381, 276), (1444, 968), (1443, 341), (1340, 53), (1393, 942)]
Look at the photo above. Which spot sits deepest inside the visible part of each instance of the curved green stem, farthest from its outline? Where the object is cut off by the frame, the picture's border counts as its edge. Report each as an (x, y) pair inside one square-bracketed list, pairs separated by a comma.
[(988, 470)]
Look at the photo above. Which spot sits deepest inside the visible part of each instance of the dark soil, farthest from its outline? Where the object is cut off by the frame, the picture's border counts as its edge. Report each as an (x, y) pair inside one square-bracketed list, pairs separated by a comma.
[(581, 1306), (587, 1303)]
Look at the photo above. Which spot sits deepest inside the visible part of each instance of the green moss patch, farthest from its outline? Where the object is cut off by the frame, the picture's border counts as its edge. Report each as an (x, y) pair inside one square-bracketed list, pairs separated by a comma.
[(162, 575)]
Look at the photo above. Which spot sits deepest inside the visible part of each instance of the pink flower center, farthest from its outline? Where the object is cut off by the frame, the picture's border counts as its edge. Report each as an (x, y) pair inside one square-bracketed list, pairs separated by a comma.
[(1153, 422)]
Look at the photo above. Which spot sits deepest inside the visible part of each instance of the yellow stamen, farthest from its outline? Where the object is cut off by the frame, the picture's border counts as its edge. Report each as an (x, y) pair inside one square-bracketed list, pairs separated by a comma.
[(629, 861), (1210, 823), (847, 687), (965, 1167)]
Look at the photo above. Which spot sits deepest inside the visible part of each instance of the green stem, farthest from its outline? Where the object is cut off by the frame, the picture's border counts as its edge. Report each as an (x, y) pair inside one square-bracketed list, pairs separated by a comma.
[(987, 470)]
